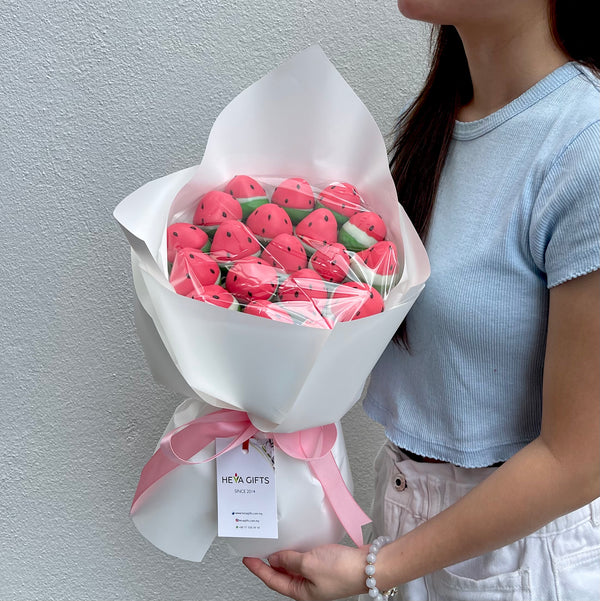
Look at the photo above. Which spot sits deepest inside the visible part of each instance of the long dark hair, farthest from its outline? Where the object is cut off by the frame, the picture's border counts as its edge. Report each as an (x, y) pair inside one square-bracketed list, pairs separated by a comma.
[(423, 132)]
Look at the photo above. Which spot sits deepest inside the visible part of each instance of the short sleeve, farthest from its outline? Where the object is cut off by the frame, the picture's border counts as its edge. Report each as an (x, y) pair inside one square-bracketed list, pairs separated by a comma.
[(564, 234)]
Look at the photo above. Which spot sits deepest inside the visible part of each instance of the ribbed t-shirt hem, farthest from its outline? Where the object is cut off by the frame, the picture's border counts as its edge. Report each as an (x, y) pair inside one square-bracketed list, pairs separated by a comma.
[(436, 450), (576, 274)]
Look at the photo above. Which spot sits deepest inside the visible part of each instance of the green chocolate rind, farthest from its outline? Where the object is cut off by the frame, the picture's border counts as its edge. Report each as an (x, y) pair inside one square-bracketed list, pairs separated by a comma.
[(252, 204), (297, 215), (341, 219)]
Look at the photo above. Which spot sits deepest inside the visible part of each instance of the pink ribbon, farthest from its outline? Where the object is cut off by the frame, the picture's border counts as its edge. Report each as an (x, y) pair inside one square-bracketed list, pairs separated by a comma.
[(313, 446)]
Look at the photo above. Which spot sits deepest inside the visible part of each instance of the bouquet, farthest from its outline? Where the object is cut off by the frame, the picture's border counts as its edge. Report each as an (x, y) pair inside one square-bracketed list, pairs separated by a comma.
[(293, 215)]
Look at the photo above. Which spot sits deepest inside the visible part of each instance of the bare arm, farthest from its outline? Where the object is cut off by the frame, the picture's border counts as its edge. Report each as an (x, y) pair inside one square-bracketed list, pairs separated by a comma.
[(556, 473)]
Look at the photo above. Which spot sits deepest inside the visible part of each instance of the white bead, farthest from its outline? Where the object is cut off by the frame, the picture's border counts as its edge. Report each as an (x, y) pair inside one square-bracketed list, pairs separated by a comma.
[(379, 598), (387, 540), (384, 597), (374, 548), (371, 582), (371, 557), (373, 592), (370, 570)]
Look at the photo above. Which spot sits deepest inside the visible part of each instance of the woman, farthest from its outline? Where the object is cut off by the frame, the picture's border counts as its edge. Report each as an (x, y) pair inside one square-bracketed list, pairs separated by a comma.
[(490, 395)]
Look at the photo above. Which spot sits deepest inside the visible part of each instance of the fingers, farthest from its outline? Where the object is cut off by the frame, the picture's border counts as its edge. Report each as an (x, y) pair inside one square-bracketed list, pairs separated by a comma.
[(281, 582), (290, 561)]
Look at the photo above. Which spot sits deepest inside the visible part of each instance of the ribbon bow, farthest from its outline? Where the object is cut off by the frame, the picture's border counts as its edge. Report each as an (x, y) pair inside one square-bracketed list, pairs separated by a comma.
[(312, 445)]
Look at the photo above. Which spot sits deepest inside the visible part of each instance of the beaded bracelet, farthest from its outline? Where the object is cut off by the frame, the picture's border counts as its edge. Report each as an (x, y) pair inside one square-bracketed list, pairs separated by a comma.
[(374, 592)]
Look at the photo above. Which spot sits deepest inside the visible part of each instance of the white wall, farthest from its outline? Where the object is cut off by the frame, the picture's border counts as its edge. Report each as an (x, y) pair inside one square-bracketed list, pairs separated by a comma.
[(96, 99)]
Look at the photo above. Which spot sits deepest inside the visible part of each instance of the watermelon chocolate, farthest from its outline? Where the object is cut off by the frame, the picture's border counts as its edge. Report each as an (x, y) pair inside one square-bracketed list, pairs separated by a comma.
[(378, 266), (355, 300), (214, 208), (296, 197), (316, 229), (331, 262), (192, 270), (185, 235), (248, 192), (362, 230), (250, 279), (342, 199), (304, 285), (216, 295), (233, 241), (265, 308), (268, 221), (285, 252)]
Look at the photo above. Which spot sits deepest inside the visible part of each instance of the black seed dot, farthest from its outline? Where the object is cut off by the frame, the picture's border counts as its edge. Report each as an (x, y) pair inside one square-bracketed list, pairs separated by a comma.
[(269, 217), (371, 228), (228, 254), (212, 270), (251, 186), (193, 227), (357, 314), (249, 239), (249, 294), (187, 275), (274, 263), (285, 221), (286, 201), (202, 206), (272, 285), (299, 266), (333, 187), (310, 224), (231, 192), (289, 249), (235, 278), (215, 296), (229, 234), (192, 256), (326, 218), (296, 294), (176, 234), (343, 206), (224, 214), (263, 230), (309, 203), (298, 186)]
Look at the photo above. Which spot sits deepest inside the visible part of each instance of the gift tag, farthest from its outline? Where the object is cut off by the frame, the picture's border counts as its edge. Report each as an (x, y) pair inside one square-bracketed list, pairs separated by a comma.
[(246, 492)]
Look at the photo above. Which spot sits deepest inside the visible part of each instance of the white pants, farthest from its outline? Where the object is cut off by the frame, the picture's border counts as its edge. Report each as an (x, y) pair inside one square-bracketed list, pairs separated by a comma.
[(561, 561)]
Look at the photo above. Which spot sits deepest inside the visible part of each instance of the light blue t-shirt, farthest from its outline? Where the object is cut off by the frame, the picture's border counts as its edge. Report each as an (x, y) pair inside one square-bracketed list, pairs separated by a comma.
[(517, 212)]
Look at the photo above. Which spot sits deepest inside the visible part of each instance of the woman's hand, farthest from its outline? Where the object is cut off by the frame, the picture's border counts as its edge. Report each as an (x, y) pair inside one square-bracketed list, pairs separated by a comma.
[(325, 573)]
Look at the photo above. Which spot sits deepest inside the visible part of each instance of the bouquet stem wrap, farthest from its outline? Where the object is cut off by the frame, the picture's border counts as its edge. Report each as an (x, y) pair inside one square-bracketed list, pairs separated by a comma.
[(313, 446)]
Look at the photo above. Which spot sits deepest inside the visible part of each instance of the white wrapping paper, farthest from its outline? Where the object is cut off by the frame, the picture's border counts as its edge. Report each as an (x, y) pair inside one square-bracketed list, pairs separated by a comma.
[(178, 514), (300, 120)]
